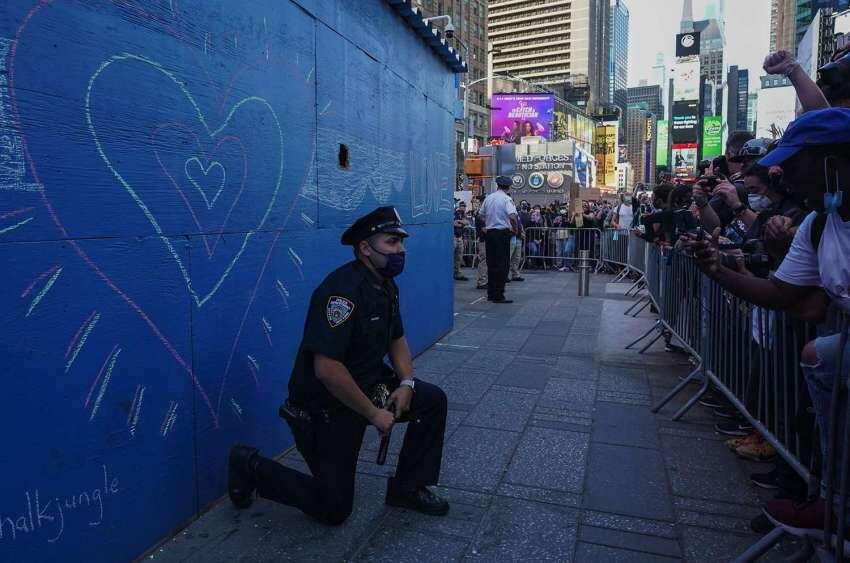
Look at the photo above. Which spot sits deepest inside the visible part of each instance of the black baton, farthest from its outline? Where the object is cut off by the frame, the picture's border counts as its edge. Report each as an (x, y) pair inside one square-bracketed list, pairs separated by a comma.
[(380, 398), (382, 450)]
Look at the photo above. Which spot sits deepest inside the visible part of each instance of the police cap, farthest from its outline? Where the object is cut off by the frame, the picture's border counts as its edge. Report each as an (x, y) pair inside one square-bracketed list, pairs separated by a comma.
[(381, 220), (504, 181)]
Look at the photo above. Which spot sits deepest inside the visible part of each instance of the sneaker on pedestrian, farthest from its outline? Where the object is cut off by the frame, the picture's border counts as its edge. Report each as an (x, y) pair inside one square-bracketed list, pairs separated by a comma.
[(711, 401), (804, 518), (761, 524), (461, 278), (734, 443), (562, 269), (765, 480), (730, 428), (518, 278), (726, 413), (758, 450)]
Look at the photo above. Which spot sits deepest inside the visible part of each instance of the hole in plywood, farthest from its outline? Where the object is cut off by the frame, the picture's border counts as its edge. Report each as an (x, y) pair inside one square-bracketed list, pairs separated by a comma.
[(343, 157)]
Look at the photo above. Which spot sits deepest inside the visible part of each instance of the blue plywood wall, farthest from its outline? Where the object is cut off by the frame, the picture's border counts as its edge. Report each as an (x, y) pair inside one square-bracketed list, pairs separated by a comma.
[(170, 195)]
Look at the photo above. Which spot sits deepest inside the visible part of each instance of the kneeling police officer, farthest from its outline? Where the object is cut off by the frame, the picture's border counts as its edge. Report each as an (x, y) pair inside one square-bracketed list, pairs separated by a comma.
[(353, 322)]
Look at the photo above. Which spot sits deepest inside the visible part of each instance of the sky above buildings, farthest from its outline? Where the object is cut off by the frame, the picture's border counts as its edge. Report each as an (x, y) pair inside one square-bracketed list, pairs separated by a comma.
[(654, 23)]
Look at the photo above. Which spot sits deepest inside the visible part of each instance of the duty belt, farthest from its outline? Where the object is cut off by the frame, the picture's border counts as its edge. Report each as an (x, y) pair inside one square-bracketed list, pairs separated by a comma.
[(290, 412)]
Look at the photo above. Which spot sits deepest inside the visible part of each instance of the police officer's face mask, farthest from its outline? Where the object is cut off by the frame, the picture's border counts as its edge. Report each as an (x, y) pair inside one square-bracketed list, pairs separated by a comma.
[(393, 262)]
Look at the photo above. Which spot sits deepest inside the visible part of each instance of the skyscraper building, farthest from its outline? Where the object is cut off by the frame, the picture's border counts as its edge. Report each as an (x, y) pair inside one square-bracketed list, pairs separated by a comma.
[(789, 20), (559, 44), (659, 76), (647, 98), (641, 126), (737, 102), (752, 111), (618, 59), (469, 18), (687, 23), (712, 44), (783, 20), (806, 10)]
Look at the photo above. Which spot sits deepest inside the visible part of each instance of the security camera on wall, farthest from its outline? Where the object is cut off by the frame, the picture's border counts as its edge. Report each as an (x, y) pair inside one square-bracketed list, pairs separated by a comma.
[(450, 30)]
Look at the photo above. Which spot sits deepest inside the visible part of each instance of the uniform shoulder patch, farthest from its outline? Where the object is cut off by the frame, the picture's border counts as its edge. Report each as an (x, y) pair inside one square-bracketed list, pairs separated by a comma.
[(338, 311)]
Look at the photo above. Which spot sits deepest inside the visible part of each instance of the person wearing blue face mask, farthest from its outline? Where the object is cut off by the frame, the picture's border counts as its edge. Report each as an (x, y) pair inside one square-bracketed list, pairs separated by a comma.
[(813, 158), (353, 322)]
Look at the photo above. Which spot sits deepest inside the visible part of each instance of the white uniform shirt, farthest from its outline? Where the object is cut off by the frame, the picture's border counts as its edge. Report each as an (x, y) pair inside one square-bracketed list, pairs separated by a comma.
[(496, 208)]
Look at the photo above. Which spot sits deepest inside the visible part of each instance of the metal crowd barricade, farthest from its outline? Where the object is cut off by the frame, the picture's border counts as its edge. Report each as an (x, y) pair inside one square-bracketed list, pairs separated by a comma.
[(556, 247), (752, 357), (615, 246), (470, 246), (652, 271), (636, 253)]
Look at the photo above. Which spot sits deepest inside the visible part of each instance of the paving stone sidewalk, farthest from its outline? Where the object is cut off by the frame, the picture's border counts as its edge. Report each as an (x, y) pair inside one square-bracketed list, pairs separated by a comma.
[(551, 452)]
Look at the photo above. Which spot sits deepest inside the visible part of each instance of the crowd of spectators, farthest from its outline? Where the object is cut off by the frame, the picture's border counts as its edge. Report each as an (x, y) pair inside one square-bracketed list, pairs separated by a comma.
[(769, 222)]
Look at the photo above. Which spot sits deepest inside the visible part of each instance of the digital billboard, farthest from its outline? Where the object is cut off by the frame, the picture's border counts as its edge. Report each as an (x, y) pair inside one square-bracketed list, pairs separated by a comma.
[(545, 168), (662, 141), (685, 122), (606, 153), (712, 136), (521, 115), (684, 159), (686, 80), (687, 44)]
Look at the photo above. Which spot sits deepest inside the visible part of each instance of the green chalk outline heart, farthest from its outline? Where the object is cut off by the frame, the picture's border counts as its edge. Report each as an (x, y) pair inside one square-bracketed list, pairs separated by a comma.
[(213, 133)]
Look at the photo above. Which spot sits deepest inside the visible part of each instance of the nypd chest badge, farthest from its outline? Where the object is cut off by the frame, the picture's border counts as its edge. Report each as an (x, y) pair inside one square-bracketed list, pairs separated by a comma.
[(338, 311)]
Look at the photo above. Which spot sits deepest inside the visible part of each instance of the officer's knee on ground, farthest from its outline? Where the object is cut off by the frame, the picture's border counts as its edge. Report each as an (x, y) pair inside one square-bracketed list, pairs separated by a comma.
[(337, 515), (442, 399), (809, 356)]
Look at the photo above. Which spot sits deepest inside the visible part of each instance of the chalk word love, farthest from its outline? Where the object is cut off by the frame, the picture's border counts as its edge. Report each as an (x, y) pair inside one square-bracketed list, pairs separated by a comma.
[(47, 514)]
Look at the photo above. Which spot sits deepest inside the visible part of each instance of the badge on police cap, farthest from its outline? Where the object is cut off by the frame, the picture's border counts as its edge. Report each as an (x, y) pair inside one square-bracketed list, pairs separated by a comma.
[(338, 311)]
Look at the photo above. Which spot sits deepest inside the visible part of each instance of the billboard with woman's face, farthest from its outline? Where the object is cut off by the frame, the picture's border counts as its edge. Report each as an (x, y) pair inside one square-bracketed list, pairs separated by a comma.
[(514, 116)]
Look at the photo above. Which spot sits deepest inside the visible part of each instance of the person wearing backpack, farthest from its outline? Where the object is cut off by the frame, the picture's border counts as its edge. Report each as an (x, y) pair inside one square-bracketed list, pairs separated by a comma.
[(623, 214)]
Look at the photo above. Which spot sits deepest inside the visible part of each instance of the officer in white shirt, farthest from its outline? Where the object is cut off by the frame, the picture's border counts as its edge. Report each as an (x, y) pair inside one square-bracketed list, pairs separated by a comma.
[(814, 156), (500, 224)]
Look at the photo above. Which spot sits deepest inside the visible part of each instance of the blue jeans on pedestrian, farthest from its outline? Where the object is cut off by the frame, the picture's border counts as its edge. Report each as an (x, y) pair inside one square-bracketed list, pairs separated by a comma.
[(566, 247), (820, 379)]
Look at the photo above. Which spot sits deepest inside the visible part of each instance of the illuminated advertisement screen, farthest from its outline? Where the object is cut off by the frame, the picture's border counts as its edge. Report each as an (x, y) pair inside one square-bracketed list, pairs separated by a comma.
[(606, 153), (712, 136), (687, 44), (685, 122), (686, 80), (684, 160), (521, 115), (661, 143)]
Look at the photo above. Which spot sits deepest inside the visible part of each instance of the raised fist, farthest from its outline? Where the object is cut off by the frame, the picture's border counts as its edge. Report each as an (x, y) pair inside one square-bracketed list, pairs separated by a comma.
[(780, 62)]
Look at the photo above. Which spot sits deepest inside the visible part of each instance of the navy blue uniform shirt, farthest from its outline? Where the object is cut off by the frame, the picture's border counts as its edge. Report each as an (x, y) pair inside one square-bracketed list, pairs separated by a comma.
[(352, 318)]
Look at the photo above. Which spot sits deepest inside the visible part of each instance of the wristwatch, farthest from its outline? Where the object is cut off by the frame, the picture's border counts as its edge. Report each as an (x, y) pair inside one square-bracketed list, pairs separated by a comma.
[(408, 383)]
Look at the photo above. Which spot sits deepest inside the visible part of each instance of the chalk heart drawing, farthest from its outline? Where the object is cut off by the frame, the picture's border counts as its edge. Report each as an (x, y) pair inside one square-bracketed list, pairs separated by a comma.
[(200, 297), (190, 134), (191, 168)]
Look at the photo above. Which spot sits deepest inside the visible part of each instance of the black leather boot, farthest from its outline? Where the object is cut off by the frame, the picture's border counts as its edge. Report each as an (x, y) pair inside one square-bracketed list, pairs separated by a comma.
[(420, 499), (241, 479)]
